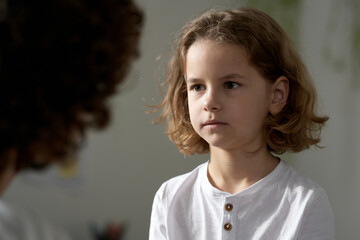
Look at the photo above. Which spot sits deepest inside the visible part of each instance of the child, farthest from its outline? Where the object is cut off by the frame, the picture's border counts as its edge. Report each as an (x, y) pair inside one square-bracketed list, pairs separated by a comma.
[(238, 89)]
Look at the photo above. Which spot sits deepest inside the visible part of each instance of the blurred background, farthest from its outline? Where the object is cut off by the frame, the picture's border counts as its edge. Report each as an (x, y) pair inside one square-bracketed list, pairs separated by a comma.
[(120, 169)]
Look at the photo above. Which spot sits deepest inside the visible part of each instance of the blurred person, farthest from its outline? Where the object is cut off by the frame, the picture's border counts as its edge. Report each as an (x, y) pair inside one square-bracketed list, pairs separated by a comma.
[(60, 61)]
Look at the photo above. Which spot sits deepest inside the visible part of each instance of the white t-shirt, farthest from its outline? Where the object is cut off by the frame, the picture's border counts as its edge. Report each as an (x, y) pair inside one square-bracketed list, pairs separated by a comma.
[(17, 224), (283, 205)]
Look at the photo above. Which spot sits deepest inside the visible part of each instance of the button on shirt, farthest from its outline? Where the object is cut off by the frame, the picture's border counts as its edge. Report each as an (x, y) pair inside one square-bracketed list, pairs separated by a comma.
[(282, 205)]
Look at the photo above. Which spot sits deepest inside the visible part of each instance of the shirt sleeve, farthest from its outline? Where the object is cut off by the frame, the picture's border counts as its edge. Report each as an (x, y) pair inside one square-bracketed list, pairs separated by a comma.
[(158, 230), (318, 221)]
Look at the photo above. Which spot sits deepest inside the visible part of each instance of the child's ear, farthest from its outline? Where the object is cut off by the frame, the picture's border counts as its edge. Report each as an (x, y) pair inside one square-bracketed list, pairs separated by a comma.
[(279, 94)]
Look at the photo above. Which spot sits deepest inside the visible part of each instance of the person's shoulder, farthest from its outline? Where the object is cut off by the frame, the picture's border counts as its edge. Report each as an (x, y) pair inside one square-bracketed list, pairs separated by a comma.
[(297, 182), (180, 183), (308, 199), (17, 222)]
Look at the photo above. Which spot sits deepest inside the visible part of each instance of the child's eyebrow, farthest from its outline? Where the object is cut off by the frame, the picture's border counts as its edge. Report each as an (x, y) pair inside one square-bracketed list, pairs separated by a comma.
[(226, 77), (192, 80), (232, 76)]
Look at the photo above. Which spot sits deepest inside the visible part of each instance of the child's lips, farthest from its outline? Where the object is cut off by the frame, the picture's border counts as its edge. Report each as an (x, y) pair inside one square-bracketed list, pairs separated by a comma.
[(213, 123)]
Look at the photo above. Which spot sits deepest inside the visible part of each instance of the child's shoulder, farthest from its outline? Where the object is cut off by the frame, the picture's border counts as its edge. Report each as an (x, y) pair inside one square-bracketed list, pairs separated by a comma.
[(181, 182), (296, 182)]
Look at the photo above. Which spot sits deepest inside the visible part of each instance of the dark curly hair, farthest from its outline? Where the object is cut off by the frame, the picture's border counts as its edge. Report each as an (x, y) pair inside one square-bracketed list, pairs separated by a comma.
[(60, 60)]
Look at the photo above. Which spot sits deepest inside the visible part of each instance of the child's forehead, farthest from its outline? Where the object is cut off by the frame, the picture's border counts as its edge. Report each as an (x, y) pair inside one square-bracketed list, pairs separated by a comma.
[(207, 59), (215, 52)]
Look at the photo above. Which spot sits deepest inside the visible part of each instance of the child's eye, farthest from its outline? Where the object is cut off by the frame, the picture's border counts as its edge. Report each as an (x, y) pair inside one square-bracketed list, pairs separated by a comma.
[(197, 88), (231, 85)]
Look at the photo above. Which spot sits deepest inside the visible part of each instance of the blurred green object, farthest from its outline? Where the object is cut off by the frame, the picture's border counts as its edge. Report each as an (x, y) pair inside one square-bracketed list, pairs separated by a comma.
[(285, 12)]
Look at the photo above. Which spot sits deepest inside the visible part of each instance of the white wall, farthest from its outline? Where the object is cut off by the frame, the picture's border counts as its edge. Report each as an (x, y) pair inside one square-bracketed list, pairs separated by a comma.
[(328, 28), (126, 163)]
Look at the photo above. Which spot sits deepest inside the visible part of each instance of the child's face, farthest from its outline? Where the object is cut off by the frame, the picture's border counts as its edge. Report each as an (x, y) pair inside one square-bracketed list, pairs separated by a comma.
[(228, 99)]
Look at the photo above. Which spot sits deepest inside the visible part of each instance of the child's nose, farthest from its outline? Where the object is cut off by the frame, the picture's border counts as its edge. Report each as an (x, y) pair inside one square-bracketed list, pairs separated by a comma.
[(211, 102)]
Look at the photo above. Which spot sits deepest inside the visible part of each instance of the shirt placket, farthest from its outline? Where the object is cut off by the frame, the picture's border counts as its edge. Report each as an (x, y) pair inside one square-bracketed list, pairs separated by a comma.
[(229, 219)]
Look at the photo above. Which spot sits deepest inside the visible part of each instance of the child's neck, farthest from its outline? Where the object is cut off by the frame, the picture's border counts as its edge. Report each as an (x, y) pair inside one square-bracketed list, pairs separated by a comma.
[(234, 171)]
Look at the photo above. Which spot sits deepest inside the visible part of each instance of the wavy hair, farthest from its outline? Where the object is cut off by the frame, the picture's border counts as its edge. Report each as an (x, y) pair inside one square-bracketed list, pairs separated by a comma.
[(270, 51), (59, 63)]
